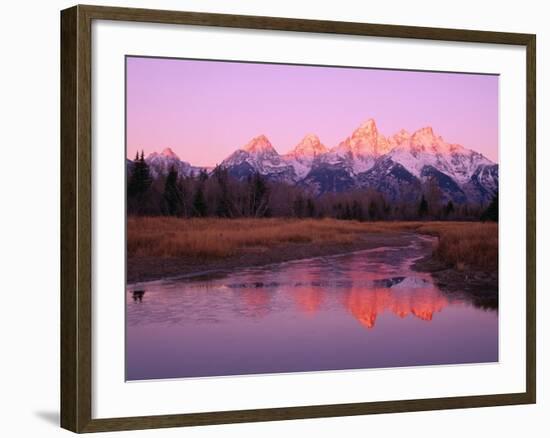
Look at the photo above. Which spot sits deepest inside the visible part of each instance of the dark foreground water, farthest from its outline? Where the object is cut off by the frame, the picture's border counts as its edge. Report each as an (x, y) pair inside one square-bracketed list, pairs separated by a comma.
[(362, 310)]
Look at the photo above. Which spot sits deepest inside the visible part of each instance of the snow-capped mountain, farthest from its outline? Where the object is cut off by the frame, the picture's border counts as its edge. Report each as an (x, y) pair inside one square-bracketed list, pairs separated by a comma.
[(424, 148), (161, 163), (459, 173), (398, 166), (359, 151), (390, 178), (259, 155), (306, 153), (482, 184)]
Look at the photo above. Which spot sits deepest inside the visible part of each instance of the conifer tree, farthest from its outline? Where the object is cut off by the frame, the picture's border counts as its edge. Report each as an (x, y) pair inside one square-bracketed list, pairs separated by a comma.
[(199, 203), (423, 207), (491, 214), (347, 212), (172, 194), (224, 201), (203, 175), (298, 207), (373, 210), (259, 196), (140, 180), (310, 207), (357, 211), (449, 208)]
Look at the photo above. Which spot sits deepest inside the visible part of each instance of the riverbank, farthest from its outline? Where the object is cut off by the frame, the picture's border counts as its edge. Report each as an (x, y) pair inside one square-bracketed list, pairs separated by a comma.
[(479, 285), (464, 258), (147, 268)]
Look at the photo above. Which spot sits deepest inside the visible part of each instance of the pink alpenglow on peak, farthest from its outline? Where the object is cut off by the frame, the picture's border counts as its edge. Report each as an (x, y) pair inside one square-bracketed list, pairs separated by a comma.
[(168, 152), (259, 144), (366, 135), (309, 150), (368, 127), (426, 148), (175, 102), (425, 140), (161, 163), (365, 141), (260, 156), (402, 137), (309, 147)]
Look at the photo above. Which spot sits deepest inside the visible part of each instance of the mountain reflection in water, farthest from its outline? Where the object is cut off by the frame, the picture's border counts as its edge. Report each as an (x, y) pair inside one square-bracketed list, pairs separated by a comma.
[(360, 310)]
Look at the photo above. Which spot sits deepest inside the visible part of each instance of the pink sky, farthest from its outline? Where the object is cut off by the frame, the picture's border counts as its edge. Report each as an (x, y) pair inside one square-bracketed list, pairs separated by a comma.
[(204, 110)]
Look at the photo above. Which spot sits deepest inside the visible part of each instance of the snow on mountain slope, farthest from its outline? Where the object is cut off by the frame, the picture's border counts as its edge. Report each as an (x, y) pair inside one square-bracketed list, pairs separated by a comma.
[(424, 148), (396, 166), (259, 155), (161, 163), (359, 151), (305, 154), (482, 184)]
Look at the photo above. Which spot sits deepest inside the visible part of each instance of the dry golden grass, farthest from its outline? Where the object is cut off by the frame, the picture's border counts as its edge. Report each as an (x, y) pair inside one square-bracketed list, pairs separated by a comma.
[(213, 237), (459, 243), (472, 244)]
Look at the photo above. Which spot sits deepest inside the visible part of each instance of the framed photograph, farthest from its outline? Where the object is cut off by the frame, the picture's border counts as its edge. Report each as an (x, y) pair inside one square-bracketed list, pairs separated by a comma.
[(271, 218)]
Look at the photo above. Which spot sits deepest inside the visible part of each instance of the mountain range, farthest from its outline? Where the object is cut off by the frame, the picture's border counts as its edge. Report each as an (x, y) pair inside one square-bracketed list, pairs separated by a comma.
[(398, 166)]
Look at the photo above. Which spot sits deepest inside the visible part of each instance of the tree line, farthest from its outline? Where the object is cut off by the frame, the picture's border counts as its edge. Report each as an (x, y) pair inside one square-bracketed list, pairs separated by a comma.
[(218, 194)]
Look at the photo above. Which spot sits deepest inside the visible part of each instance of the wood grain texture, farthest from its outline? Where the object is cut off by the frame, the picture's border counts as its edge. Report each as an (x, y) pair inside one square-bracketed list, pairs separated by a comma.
[(69, 328), (531, 306), (76, 221), (300, 25)]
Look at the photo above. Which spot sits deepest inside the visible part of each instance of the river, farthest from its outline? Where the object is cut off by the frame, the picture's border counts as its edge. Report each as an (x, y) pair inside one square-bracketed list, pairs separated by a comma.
[(366, 309)]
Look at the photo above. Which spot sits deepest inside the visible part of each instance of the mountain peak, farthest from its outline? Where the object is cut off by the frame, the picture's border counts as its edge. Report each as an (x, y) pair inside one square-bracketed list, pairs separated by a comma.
[(259, 144), (169, 153), (311, 137), (426, 140), (425, 131), (366, 128), (309, 146), (369, 124), (365, 141), (401, 138), (403, 133)]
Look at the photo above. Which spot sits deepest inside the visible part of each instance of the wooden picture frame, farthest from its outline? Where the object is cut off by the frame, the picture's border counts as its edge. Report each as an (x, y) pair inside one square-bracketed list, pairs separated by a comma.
[(76, 217)]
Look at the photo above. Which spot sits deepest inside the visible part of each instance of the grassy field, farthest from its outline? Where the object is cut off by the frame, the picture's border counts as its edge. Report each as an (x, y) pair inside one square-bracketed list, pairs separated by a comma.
[(460, 244), (473, 244)]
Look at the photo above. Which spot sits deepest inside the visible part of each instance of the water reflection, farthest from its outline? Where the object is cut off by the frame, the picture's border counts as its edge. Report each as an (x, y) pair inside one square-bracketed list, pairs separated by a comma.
[(421, 303), (415, 297), (309, 300), (360, 310), (256, 301)]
